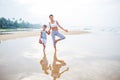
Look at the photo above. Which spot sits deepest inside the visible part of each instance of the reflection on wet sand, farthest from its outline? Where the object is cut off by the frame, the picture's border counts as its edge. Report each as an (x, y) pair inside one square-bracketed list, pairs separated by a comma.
[(54, 68), (44, 64)]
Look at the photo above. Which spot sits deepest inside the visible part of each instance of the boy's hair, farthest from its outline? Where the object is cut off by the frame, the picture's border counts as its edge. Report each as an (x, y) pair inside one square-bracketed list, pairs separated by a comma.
[(50, 15), (45, 26)]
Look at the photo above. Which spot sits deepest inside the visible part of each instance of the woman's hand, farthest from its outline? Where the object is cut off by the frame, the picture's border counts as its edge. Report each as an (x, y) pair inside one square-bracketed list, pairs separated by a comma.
[(65, 30), (61, 27), (48, 32)]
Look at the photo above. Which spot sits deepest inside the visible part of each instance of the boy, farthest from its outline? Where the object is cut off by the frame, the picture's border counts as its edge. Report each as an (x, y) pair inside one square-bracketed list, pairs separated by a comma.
[(43, 37)]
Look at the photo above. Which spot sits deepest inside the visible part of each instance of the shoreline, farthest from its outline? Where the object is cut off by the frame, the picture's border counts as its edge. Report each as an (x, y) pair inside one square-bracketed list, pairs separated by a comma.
[(35, 33)]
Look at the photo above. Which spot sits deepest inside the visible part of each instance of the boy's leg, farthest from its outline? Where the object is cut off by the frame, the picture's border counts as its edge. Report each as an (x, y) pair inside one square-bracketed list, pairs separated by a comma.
[(43, 48), (44, 44)]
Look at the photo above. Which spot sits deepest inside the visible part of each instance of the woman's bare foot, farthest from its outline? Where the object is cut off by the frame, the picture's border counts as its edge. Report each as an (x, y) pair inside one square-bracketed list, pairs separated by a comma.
[(56, 41)]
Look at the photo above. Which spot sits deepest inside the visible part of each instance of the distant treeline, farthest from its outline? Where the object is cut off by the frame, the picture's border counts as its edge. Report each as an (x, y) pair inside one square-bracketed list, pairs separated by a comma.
[(13, 23)]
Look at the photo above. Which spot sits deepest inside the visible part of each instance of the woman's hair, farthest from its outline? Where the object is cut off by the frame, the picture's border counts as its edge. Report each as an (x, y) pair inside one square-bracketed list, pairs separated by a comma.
[(50, 15)]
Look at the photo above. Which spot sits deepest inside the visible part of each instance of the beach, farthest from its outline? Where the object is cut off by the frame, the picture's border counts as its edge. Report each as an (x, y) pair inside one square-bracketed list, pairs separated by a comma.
[(89, 56)]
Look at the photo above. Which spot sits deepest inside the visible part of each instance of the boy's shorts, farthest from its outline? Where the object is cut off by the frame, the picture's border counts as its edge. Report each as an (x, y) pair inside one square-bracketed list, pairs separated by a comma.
[(44, 41)]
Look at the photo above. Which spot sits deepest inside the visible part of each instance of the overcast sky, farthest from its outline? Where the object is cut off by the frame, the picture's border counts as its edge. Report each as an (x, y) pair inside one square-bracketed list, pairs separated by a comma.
[(67, 12)]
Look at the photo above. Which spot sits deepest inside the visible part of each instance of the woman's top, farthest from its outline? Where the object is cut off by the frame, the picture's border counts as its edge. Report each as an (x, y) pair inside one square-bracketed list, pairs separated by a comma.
[(53, 24)]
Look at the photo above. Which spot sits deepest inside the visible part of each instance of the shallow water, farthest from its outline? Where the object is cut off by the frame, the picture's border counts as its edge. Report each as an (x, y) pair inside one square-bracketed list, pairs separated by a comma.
[(94, 56)]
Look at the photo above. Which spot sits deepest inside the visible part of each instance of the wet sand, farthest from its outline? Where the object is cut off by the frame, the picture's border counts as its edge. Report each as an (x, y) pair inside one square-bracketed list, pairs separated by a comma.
[(93, 56), (21, 34)]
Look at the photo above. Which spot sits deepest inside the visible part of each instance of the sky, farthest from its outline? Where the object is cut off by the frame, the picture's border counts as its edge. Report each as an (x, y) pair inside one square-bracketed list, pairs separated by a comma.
[(66, 12)]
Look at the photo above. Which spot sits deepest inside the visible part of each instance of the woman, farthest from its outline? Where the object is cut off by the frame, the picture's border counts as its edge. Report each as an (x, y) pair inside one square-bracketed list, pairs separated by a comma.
[(54, 27)]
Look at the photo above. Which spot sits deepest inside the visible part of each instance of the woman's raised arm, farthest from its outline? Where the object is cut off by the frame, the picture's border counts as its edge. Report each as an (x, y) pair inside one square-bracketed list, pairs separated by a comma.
[(61, 27)]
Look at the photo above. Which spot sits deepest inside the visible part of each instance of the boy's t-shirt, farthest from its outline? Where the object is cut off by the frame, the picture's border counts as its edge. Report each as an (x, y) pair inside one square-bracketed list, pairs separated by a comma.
[(43, 35)]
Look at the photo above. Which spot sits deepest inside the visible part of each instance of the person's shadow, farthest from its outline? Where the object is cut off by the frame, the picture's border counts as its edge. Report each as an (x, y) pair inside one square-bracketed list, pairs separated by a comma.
[(54, 68)]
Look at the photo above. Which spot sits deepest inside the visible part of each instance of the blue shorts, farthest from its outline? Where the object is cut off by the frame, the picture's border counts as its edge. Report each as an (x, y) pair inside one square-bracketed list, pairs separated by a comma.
[(56, 33), (44, 41)]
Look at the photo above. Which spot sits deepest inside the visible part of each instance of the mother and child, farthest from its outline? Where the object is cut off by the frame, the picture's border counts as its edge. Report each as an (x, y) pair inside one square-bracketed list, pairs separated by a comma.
[(54, 27), (55, 68)]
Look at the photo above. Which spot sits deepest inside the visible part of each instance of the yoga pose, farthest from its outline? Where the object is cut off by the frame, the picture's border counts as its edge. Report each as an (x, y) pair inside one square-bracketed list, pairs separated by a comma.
[(54, 27)]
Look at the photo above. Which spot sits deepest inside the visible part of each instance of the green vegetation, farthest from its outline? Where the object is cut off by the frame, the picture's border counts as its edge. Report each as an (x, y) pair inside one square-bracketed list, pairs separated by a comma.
[(13, 24)]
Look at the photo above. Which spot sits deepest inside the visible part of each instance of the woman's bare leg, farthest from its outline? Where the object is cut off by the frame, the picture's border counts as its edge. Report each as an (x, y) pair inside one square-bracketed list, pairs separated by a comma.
[(61, 37)]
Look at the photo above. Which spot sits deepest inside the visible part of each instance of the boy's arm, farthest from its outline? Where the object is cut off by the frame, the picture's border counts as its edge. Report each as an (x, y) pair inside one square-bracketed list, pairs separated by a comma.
[(61, 27), (40, 38), (40, 35)]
